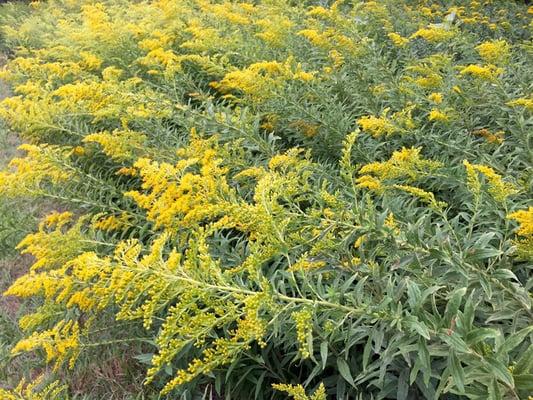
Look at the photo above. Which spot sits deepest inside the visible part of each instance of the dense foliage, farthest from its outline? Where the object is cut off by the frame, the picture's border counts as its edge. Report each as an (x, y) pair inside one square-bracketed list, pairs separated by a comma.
[(275, 199)]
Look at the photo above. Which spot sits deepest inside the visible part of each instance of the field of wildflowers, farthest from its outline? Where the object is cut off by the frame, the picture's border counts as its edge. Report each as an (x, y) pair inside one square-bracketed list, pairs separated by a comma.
[(273, 199)]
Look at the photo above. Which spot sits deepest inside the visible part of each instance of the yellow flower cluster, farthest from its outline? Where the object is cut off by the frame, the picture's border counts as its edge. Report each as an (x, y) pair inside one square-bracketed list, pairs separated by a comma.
[(61, 343), (260, 80), (120, 145), (42, 164), (397, 39), (494, 52), (376, 126), (525, 232), (385, 125), (210, 153), (36, 390), (437, 115), (405, 163), (304, 331), (298, 392), (434, 34), (487, 72), (522, 102), (184, 193), (498, 188)]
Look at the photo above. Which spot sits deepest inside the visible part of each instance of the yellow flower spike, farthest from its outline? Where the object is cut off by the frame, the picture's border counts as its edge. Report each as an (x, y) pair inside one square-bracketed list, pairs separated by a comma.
[(527, 103), (36, 389), (494, 52), (435, 97), (304, 329), (306, 264), (61, 343), (437, 115), (524, 243), (488, 72), (377, 126), (398, 40), (297, 392), (525, 221), (112, 222), (90, 61), (426, 197), (41, 164), (433, 34), (405, 163), (120, 145), (498, 188)]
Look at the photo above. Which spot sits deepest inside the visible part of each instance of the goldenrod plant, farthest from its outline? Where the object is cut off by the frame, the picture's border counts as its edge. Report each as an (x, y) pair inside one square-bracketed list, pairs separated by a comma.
[(275, 198)]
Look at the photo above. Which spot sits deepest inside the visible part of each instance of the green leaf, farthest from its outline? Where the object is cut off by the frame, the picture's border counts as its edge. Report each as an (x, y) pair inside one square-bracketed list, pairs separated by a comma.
[(259, 384), (366, 352), (425, 360), (403, 386), (457, 372), (480, 334), (453, 305), (414, 324), (344, 370), (494, 390), (455, 342), (524, 382), (525, 363), (499, 370), (469, 312), (514, 340), (413, 295), (144, 358), (504, 274), (324, 353)]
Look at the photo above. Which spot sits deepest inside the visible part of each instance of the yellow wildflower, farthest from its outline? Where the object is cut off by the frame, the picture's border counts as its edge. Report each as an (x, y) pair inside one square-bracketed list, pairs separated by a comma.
[(433, 34), (525, 220), (304, 329), (377, 126), (525, 232), (297, 392), (488, 72), (496, 137), (120, 145), (90, 61), (435, 97), (522, 102), (494, 52), (437, 115), (426, 197), (398, 40), (306, 264), (498, 188)]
